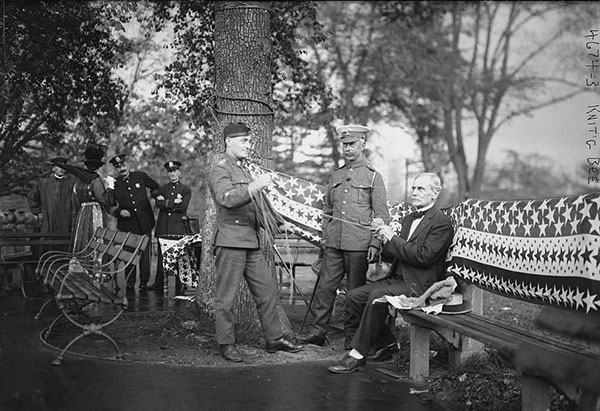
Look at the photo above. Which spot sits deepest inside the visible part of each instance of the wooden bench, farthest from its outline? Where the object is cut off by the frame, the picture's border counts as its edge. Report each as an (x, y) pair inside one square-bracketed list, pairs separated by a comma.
[(18, 251), (76, 280), (539, 251)]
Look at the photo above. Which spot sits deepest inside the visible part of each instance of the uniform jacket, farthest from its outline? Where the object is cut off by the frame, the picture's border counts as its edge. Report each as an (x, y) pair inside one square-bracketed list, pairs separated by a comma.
[(55, 200), (130, 194), (237, 224), (356, 194), (420, 260), (170, 215)]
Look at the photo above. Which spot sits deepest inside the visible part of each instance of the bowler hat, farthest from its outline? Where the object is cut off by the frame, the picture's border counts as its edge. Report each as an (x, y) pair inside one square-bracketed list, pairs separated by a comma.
[(117, 160), (352, 132), (236, 130), (456, 305), (172, 165), (57, 160)]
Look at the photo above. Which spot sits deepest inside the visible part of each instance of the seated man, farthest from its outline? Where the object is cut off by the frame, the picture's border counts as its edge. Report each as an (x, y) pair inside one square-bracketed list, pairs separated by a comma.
[(419, 261)]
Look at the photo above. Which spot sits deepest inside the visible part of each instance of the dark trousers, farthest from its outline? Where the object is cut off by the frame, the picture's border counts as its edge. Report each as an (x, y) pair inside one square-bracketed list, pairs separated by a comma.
[(231, 264), (336, 264), (131, 272), (365, 321)]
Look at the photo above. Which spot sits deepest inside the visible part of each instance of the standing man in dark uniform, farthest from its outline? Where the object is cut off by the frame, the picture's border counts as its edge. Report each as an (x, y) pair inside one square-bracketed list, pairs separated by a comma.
[(53, 201), (172, 200), (237, 249), (134, 212), (355, 202)]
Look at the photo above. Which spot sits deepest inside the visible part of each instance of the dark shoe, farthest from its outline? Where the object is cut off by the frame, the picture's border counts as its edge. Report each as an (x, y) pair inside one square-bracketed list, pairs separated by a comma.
[(230, 353), (348, 365), (315, 339), (283, 344), (383, 353), (156, 286)]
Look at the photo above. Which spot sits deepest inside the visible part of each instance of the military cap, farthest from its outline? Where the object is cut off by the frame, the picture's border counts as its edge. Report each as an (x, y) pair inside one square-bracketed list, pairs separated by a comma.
[(117, 160), (236, 130), (352, 132), (57, 160), (172, 165)]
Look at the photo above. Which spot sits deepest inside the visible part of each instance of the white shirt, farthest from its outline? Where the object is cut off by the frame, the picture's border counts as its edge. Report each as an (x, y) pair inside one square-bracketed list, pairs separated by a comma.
[(416, 221)]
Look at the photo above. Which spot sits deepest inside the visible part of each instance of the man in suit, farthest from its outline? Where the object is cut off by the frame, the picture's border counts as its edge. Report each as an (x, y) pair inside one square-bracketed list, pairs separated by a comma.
[(172, 200), (237, 249), (419, 254), (133, 212), (356, 196)]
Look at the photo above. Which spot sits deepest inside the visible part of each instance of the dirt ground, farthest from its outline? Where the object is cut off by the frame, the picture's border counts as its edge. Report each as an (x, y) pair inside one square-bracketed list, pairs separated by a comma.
[(184, 338)]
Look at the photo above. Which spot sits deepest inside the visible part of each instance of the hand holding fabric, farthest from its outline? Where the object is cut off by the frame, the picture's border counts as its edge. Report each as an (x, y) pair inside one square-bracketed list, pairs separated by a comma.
[(262, 181)]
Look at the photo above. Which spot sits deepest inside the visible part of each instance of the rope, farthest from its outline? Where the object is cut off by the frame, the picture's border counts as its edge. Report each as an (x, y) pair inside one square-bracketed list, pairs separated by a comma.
[(212, 103)]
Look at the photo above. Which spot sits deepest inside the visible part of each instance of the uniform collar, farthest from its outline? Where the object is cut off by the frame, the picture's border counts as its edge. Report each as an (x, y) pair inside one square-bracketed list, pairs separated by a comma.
[(358, 163)]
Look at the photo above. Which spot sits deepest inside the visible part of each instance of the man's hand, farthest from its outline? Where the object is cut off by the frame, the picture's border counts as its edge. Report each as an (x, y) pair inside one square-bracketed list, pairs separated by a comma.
[(178, 199), (262, 181), (160, 197), (125, 213), (372, 254), (384, 233)]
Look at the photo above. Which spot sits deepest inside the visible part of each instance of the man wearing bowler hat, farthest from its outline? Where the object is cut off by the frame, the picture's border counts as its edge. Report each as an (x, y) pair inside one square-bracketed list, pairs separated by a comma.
[(419, 254), (237, 249), (172, 200), (133, 212), (355, 201)]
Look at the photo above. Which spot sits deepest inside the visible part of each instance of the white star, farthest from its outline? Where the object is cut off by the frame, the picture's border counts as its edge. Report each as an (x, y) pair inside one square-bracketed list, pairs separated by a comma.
[(589, 302), (528, 206), (560, 203), (300, 190), (319, 196), (578, 298), (293, 182), (585, 211), (527, 228), (595, 225), (312, 187)]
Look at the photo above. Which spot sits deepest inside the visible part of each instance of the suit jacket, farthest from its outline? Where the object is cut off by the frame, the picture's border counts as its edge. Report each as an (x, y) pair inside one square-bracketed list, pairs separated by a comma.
[(420, 261), (170, 217), (131, 195), (237, 223)]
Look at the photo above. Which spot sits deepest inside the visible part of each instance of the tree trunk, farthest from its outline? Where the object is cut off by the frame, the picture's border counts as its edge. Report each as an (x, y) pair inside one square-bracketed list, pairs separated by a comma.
[(243, 94)]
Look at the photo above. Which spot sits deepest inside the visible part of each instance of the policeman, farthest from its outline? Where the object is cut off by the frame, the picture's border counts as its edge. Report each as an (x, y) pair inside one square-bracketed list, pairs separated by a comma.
[(172, 200), (236, 247), (134, 212), (356, 198)]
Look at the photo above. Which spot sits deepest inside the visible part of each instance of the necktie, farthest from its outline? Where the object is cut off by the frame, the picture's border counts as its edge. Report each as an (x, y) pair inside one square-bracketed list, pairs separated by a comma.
[(419, 214)]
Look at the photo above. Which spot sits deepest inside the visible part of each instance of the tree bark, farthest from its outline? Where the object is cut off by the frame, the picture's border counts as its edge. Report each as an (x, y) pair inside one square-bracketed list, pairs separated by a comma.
[(243, 93)]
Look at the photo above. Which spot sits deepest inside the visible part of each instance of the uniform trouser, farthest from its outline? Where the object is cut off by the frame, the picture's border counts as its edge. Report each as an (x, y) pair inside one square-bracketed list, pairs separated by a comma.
[(364, 320), (336, 263), (231, 264), (160, 271), (131, 272)]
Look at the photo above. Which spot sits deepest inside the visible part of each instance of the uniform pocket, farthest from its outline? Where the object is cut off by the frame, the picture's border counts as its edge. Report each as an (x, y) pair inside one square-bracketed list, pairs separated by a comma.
[(361, 191)]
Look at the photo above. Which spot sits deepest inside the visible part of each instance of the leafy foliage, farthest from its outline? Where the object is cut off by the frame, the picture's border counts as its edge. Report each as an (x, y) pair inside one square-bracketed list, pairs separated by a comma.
[(56, 77)]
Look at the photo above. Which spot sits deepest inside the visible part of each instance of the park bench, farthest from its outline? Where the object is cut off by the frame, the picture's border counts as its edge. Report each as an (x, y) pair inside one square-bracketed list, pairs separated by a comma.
[(18, 252), (544, 252), (75, 281)]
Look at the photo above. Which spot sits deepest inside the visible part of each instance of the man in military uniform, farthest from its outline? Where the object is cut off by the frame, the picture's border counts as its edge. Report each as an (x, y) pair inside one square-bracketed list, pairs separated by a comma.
[(134, 212), (172, 200), (236, 247), (355, 202)]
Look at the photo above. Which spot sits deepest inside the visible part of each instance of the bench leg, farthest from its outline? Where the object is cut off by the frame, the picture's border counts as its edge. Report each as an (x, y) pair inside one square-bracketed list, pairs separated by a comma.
[(39, 313), (535, 394), (419, 353)]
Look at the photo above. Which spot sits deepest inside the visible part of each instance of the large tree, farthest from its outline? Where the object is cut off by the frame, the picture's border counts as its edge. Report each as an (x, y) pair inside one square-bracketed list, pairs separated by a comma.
[(55, 79)]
